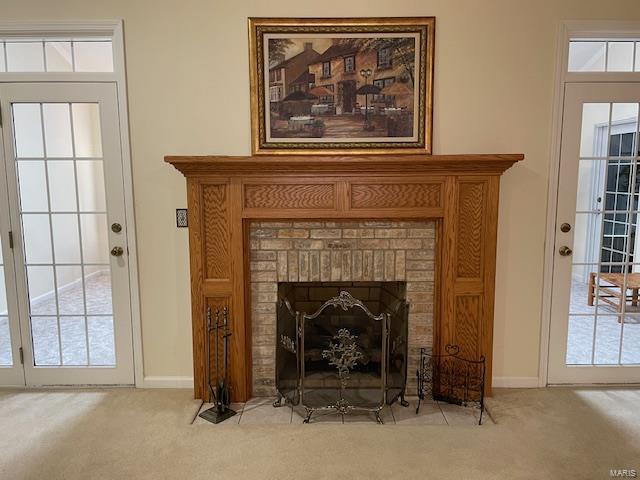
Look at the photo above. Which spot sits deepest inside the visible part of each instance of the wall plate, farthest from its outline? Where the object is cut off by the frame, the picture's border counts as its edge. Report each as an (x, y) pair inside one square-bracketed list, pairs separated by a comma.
[(182, 220)]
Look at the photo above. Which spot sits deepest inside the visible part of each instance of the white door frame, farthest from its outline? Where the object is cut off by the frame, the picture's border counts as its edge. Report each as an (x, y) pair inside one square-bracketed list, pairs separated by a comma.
[(105, 96), (15, 375), (114, 30), (568, 30)]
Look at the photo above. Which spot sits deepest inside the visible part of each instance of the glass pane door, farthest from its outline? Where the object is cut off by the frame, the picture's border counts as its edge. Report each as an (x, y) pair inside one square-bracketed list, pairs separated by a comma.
[(596, 307), (67, 172), (64, 228), (603, 314)]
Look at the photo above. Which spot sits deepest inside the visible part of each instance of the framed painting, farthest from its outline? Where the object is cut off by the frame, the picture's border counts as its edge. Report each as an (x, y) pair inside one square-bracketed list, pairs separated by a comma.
[(341, 85)]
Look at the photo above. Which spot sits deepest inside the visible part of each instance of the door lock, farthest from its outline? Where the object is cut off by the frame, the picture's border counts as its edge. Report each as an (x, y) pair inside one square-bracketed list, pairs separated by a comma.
[(116, 227), (565, 251), (117, 251), (565, 227)]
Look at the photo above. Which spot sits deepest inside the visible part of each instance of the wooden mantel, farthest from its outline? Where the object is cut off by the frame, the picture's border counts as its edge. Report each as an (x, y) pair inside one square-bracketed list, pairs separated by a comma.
[(373, 164), (458, 192)]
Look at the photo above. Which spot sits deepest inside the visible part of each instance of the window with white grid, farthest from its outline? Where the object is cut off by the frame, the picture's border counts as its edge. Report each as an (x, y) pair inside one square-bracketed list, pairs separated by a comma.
[(604, 329), (56, 55), (64, 223), (604, 56)]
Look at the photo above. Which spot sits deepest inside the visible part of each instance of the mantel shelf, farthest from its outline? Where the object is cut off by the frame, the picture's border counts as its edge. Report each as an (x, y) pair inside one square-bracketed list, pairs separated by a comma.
[(344, 164)]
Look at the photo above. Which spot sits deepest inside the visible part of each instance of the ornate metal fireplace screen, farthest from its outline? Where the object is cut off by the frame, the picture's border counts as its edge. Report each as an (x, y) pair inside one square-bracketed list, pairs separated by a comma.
[(451, 378), (342, 357)]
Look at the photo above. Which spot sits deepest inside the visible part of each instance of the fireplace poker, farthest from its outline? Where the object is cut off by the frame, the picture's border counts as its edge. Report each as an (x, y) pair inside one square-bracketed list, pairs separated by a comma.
[(224, 386), (221, 398)]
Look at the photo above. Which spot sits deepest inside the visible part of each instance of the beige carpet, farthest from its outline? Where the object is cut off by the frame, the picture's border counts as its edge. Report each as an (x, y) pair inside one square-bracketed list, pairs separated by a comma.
[(140, 434)]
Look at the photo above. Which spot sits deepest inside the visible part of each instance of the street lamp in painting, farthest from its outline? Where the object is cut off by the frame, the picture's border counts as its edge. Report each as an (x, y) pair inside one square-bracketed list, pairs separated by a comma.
[(366, 90)]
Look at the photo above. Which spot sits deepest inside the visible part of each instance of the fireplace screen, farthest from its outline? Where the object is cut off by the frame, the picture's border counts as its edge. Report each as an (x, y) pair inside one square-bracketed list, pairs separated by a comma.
[(342, 346)]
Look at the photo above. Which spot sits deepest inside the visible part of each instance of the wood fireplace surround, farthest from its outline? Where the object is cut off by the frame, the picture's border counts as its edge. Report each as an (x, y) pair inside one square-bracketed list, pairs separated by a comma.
[(458, 192)]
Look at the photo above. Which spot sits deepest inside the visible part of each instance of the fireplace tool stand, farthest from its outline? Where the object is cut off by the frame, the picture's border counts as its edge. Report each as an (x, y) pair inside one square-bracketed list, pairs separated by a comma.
[(220, 391)]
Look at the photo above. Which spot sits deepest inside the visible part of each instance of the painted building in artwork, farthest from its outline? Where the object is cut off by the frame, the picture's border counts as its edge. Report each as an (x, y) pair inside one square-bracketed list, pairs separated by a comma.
[(283, 76), (338, 70), (305, 82)]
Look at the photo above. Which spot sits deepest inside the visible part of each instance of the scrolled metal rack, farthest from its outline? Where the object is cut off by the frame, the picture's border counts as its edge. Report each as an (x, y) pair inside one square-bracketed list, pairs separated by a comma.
[(457, 380)]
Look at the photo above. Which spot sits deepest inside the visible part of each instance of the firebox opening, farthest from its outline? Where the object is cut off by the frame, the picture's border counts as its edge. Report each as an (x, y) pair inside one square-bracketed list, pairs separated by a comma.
[(342, 343)]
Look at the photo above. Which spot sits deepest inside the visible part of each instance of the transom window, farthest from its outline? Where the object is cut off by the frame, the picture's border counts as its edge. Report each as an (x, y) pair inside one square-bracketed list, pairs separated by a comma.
[(56, 55), (604, 56)]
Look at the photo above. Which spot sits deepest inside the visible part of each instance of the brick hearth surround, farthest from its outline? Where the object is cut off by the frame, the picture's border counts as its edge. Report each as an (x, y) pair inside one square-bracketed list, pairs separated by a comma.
[(337, 252)]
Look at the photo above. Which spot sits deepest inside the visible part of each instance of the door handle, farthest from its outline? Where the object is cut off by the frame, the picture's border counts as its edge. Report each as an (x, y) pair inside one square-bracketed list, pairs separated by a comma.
[(565, 251), (117, 251)]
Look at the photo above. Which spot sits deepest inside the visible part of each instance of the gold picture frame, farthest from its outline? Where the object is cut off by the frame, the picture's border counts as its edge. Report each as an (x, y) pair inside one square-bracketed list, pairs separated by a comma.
[(341, 85)]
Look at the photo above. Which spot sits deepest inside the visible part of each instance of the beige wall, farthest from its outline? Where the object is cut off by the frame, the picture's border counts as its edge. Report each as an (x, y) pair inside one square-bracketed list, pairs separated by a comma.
[(189, 94)]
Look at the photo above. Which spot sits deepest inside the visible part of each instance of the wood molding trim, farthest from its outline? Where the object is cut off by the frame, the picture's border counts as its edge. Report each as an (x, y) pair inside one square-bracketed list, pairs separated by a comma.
[(373, 164), (460, 192)]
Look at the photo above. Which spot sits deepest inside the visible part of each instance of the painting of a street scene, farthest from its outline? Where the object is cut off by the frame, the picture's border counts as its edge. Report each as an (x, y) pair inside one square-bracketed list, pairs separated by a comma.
[(332, 89)]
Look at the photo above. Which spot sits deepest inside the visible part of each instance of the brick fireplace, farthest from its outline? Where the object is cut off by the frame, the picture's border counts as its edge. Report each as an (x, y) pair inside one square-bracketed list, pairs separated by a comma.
[(428, 220), (346, 251)]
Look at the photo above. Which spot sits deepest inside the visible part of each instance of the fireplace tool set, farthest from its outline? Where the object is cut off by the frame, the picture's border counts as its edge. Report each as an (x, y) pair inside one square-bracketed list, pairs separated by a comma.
[(219, 390)]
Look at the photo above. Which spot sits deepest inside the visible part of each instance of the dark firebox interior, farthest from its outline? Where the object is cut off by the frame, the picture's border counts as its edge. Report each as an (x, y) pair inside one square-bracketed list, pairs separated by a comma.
[(319, 369)]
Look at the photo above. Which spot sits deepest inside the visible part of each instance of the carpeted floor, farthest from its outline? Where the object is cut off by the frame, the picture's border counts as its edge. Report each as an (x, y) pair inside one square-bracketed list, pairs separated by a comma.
[(147, 434)]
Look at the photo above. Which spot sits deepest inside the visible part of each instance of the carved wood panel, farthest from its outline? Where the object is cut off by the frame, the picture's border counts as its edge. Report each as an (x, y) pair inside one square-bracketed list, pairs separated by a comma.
[(468, 325), (290, 196), (216, 231), (395, 195), (470, 218)]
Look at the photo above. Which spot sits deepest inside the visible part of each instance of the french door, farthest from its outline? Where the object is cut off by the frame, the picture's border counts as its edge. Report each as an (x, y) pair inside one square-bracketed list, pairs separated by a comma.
[(67, 317), (595, 322)]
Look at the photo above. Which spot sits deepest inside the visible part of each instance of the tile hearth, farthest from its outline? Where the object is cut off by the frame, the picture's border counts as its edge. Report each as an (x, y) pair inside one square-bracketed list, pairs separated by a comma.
[(260, 411)]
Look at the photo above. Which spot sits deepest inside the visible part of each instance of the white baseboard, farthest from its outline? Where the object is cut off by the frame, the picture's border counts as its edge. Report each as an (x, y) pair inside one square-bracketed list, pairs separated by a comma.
[(515, 382), (168, 382)]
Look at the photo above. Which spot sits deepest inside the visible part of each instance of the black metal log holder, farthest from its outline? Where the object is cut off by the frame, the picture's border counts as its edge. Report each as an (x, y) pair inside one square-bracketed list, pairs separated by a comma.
[(457, 380), (219, 391)]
